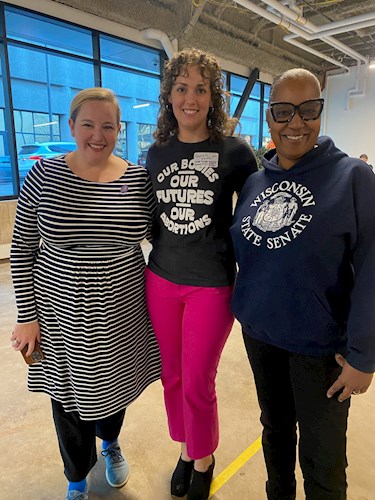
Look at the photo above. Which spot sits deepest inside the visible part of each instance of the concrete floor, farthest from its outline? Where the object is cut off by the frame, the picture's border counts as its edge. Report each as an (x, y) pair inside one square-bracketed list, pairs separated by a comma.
[(30, 464)]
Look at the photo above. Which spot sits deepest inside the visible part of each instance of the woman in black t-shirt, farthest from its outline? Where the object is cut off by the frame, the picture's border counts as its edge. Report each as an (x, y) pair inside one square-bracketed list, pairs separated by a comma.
[(195, 167)]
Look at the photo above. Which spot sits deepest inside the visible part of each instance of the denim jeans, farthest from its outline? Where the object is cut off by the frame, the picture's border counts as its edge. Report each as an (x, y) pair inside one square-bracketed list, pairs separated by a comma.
[(292, 390)]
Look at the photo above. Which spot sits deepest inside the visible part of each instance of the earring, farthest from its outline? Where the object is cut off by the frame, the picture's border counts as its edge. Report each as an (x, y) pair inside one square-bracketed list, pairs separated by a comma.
[(209, 115), (168, 107)]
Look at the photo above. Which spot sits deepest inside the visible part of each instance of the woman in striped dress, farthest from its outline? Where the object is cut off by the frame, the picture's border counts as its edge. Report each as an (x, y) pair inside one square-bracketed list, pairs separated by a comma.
[(77, 269)]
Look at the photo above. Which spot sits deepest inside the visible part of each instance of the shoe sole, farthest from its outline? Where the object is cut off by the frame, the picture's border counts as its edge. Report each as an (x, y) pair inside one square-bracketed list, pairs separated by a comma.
[(117, 485)]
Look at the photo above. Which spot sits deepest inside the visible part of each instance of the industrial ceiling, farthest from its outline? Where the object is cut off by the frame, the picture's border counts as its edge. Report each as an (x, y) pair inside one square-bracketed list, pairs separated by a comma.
[(269, 35)]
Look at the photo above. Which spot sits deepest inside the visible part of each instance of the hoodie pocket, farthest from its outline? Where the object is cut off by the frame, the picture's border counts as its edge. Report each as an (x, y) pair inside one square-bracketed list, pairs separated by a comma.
[(294, 318)]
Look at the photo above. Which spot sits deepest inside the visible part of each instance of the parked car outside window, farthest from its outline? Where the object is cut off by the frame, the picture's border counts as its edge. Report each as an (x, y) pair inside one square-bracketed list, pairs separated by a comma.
[(29, 154)]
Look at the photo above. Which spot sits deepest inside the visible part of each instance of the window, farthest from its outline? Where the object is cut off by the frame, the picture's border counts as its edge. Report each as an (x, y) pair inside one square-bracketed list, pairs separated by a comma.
[(35, 127), (129, 55), (137, 93), (43, 31), (51, 60), (8, 177), (43, 84), (121, 147), (238, 84), (249, 122), (145, 139), (266, 136), (253, 126)]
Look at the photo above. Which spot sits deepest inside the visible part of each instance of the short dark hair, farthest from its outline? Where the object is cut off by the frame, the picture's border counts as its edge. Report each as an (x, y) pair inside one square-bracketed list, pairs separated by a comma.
[(294, 74)]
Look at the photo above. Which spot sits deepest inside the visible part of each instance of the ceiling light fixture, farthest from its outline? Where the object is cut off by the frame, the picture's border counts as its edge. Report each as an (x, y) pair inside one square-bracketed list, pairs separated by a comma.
[(44, 124), (141, 105)]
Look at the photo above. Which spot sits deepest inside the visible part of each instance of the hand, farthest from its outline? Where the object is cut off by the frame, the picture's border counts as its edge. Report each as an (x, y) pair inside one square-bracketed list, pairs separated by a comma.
[(25, 334), (350, 380)]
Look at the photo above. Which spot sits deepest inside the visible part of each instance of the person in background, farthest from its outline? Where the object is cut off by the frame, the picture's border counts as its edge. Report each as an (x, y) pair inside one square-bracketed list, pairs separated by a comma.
[(304, 237), (78, 273), (195, 168), (364, 158)]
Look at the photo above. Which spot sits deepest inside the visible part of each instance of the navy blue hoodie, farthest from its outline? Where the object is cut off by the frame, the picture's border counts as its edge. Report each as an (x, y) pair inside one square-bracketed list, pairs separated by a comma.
[(304, 240)]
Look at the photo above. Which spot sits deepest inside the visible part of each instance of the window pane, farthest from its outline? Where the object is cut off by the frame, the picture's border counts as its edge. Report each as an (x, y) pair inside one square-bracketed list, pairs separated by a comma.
[(43, 86), (121, 148), (31, 127), (238, 83), (145, 139), (8, 184), (249, 122), (129, 55), (47, 32), (266, 138), (138, 98)]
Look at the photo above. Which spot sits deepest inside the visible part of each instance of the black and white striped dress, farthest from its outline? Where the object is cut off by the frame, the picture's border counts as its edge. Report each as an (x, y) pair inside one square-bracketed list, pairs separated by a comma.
[(77, 268)]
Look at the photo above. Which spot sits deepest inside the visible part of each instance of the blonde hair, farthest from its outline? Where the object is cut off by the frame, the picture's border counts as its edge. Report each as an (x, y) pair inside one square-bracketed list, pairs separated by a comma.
[(218, 122), (93, 94)]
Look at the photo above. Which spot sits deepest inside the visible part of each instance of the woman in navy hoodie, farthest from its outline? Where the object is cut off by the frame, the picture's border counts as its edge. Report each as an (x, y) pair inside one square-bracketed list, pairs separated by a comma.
[(304, 236)]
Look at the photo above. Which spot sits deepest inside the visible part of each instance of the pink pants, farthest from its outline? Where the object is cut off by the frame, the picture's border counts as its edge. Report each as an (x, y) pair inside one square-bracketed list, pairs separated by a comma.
[(191, 324)]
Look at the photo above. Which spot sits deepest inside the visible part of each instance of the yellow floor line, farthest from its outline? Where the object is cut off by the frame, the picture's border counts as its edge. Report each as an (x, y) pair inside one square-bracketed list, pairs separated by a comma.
[(240, 461)]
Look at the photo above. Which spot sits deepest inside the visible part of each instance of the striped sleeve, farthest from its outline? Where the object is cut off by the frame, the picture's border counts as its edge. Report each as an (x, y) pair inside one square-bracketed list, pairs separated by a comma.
[(25, 244), (151, 203)]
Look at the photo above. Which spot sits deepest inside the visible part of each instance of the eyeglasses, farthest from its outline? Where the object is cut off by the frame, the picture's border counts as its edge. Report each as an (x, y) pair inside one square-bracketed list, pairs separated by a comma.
[(283, 112)]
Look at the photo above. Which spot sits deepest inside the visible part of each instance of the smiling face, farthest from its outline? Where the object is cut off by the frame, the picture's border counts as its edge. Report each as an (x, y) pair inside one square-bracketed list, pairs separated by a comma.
[(190, 98), (297, 137), (95, 130)]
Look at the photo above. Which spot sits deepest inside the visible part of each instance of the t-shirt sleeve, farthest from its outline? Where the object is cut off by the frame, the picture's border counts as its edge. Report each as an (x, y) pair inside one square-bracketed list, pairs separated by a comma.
[(151, 203)]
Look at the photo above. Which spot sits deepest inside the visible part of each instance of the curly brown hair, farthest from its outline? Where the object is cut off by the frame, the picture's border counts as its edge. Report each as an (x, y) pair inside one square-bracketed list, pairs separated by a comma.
[(218, 122)]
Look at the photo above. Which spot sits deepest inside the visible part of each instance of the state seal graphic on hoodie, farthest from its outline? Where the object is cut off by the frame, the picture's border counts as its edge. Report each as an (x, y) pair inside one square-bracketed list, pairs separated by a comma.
[(282, 206)]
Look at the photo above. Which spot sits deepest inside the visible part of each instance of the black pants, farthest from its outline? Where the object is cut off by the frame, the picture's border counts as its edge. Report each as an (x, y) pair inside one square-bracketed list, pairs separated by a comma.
[(292, 388), (77, 439)]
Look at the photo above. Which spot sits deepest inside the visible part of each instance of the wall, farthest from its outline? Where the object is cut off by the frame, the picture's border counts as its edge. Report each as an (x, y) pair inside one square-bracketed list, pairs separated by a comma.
[(350, 121), (7, 215)]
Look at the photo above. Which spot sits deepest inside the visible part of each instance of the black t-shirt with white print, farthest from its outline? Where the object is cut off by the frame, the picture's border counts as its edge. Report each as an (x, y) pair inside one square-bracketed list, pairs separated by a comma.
[(193, 184)]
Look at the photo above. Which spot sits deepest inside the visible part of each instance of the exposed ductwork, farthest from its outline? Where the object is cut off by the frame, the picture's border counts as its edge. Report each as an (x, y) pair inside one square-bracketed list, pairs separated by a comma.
[(169, 46), (248, 36), (286, 22), (354, 23), (299, 26), (310, 50), (308, 27)]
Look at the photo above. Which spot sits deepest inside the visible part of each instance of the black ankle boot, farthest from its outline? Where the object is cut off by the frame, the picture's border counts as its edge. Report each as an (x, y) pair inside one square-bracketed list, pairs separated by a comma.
[(181, 478), (201, 482)]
